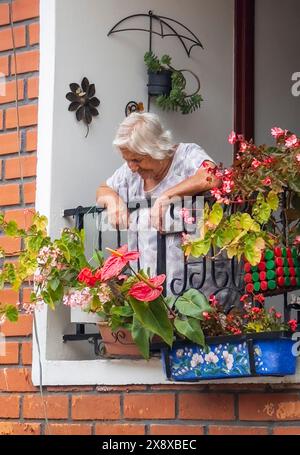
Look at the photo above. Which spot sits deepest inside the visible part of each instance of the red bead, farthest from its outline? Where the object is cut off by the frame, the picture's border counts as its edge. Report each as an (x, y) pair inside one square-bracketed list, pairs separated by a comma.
[(292, 271), (261, 266), (249, 288), (277, 251), (288, 252), (293, 281), (248, 278), (262, 276), (264, 285), (278, 262), (279, 271), (291, 262), (247, 267), (280, 281)]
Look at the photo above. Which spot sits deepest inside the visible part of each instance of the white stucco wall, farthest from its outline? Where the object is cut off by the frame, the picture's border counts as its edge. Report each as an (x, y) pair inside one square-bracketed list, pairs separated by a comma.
[(277, 41)]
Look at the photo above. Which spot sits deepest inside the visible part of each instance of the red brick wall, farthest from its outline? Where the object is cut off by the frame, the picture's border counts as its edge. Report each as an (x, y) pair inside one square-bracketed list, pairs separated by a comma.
[(194, 409)]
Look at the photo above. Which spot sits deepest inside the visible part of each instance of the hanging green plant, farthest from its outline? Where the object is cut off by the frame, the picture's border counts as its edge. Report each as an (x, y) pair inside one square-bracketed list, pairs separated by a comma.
[(169, 85)]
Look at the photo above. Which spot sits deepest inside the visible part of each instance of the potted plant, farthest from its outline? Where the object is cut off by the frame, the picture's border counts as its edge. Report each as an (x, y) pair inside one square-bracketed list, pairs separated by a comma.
[(247, 342), (168, 85)]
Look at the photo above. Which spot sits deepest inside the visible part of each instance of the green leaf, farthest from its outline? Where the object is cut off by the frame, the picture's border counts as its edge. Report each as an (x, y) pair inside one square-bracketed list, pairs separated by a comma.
[(54, 283), (98, 257), (200, 247), (191, 329), (11, 313), (11, 229), (192, 303), (273, 200), (125, 311), (154, 317), (216, 214), (246, 221), (140, 336)]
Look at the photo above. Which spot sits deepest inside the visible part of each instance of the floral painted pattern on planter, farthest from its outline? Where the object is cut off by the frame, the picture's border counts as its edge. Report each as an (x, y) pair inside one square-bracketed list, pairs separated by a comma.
[(230, 360)]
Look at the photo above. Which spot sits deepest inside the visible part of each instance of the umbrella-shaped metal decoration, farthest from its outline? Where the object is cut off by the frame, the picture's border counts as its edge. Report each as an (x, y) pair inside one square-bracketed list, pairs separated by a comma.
[(167, 28)]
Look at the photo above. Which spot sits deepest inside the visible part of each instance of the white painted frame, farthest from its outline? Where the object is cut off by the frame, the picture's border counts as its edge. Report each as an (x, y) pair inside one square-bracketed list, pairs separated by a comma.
[(85, 372)]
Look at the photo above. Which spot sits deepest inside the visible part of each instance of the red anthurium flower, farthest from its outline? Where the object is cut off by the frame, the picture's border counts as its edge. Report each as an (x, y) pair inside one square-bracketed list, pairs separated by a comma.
[(119, 258), (86, 276), (148, 291)]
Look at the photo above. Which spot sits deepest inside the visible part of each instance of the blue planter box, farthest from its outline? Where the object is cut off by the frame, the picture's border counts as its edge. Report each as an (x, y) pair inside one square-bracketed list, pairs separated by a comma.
[(264, 354)]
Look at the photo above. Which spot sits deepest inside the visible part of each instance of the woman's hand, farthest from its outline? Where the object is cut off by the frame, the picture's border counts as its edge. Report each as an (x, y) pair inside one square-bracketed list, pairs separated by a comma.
[(118, 216), (158, 212)]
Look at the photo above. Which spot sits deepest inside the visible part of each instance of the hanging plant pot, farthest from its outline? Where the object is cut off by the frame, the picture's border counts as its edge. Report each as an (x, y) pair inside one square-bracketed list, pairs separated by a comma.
[(159, 83), (118, 343), (262, 354)]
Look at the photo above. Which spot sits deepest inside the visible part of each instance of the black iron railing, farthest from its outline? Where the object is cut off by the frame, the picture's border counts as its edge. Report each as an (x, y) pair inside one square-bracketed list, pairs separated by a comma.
[(223, 276)]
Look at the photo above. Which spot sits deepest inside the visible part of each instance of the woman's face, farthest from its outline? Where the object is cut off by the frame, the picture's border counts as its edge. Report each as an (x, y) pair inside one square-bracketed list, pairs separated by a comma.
[(144, 165)]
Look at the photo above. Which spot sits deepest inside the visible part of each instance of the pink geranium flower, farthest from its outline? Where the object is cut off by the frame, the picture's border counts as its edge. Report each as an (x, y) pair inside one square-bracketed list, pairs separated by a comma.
[(148, 291), (114, 265), (298, 157), (232, 138), (267, 181), (291, 141), (277, 132), (255, 163)]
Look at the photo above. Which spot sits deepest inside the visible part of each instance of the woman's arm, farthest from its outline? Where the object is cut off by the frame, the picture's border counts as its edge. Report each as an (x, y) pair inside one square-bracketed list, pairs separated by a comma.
[(202, 181), (116, 208)]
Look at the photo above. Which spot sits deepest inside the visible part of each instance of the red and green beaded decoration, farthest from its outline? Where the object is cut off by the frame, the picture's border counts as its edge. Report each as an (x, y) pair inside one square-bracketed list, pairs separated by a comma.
[(278, 269)]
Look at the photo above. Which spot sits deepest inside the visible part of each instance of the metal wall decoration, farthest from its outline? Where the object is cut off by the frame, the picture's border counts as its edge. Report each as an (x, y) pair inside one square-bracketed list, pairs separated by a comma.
[(168, 27), (83, 101), (133, 106)]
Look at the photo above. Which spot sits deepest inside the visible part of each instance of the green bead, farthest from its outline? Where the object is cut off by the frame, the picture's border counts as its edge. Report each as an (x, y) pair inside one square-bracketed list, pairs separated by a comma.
[(271, 274), (294, 252), (270, 265), (296, 262), (286, 271), (269, 254), (254, 268), (297, 271), (255, 276), (256, 286), (287, 281), (272, 285), (298, 281), (285, 262), (283, 250)]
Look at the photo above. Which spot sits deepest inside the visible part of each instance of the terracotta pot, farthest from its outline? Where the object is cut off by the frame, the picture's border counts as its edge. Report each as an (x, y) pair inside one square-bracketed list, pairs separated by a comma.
[(118, 343)]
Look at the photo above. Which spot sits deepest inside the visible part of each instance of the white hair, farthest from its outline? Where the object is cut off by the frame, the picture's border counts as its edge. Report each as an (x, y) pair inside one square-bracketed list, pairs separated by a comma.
[(144, 134)]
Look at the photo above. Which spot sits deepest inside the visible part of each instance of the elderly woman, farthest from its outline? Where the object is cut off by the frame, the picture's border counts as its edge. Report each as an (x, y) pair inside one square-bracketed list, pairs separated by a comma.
[(154, 167)]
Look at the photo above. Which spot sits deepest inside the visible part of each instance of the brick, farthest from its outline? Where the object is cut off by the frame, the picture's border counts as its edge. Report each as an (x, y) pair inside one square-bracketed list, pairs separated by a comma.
[(34, 33), (4, 14), (33, 87), (70, 429), (21, 328), (67, 388), (27, 353), (8, 142), (27, 164), (119, 429), (31, 140), (26, 295), (206, 406), (96, 407), (176, 430), (9, 296), (10, 245), (23, 217), (152, 406), (1, 120), (25, 9), (275, 406), (29, 192), (28, 115), (6, 41), (9, 406), (9, 195), (4, 66), (26, 62), (232, 430), (16, 428), (11, 356), (10, 92), (286, 430), (56, 406), (16, 380)]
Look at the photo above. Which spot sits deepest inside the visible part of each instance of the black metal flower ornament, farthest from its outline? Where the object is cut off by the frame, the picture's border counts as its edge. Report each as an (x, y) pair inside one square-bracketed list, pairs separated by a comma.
[(83, 101)]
